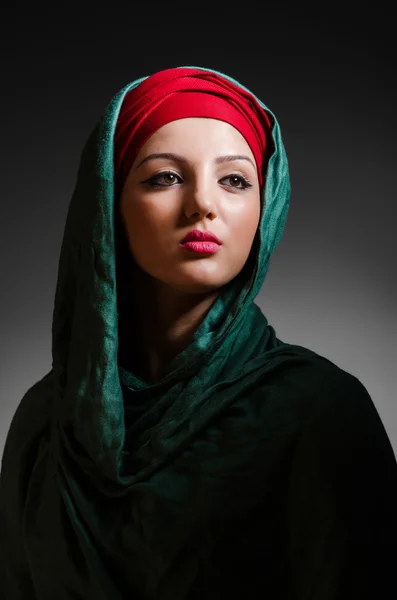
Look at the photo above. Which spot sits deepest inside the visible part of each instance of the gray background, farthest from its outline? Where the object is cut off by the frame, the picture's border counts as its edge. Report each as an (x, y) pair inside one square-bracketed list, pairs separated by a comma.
[(330, 81)]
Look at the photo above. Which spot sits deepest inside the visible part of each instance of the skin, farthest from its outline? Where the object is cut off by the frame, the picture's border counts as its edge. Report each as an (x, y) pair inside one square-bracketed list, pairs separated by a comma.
[(176, 288)]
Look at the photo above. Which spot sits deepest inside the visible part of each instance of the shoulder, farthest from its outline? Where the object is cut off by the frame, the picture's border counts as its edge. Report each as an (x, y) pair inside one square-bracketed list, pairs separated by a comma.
[(25, 437), (316, 376), (31, 418), (26, 434), (336, 414), (319, 392)]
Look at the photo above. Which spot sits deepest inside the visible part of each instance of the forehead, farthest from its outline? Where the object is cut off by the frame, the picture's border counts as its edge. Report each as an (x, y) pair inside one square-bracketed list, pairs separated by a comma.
[(199, 131)]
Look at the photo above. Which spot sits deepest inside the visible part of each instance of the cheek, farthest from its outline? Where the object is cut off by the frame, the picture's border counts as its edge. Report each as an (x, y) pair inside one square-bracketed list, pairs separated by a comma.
[(147, 219), (244, 220)]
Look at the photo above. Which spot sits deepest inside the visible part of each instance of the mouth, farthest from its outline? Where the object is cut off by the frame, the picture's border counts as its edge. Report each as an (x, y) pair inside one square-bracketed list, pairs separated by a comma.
[(201, 236), (197, 247)]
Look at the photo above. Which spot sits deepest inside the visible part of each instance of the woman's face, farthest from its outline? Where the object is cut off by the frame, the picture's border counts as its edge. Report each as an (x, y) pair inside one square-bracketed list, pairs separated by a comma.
[(195, 191)]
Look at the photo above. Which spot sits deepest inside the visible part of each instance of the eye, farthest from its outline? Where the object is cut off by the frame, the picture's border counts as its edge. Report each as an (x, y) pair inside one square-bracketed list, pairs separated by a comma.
[(241, 182), (168, 177)]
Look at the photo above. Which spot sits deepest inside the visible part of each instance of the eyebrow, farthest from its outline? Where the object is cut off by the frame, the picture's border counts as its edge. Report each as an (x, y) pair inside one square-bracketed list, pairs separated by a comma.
[(177, 157)]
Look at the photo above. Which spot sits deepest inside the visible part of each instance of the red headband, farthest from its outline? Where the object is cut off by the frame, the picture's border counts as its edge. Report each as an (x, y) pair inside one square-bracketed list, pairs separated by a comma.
[(179, 93)]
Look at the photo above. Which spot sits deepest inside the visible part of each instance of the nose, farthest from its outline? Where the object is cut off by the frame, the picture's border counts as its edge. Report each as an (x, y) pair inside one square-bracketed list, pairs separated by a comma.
[(200, 198)]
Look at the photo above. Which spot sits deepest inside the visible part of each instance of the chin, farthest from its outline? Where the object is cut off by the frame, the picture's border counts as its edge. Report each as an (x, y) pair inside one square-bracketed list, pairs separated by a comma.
[(199, 285), (198, 277)]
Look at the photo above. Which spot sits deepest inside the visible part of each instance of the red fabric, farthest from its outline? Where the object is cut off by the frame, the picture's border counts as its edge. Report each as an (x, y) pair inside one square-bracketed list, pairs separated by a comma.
[(179, 93)]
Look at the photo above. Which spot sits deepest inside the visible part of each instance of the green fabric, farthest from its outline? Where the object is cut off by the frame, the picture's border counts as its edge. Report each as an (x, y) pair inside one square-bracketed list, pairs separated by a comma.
[(254, 468)]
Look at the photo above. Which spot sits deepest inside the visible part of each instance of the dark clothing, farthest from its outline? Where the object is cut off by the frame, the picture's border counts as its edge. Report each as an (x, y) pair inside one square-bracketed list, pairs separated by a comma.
[(253, 469)]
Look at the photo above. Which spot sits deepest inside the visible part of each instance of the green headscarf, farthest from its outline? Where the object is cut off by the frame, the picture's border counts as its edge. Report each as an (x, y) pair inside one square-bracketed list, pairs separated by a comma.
[(253, 467)]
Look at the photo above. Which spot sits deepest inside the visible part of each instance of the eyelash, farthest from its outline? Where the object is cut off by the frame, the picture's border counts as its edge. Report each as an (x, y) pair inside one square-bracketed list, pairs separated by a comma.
[(152, 181)]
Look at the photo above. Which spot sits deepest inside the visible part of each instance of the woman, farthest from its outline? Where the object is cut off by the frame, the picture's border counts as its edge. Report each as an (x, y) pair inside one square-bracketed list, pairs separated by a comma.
[(178, 449)]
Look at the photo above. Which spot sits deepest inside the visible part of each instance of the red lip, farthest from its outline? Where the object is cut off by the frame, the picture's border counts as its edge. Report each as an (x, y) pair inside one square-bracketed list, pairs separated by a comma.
[(200, 236)]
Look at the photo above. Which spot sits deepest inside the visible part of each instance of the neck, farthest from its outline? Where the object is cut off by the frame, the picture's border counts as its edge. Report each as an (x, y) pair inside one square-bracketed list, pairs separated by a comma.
[(165, 320)]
